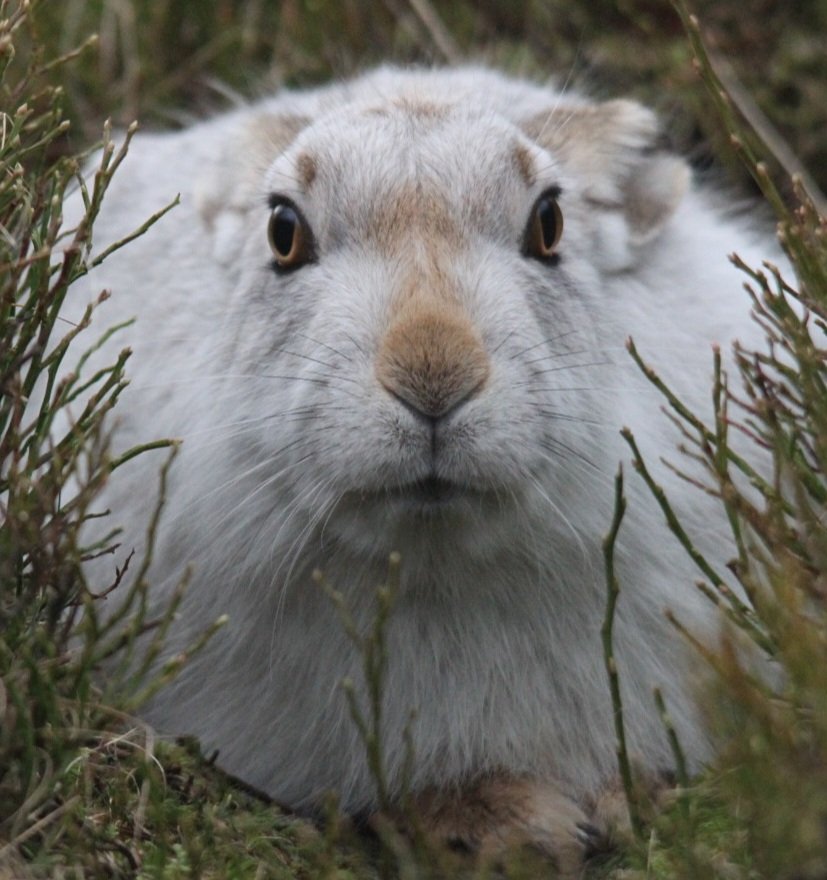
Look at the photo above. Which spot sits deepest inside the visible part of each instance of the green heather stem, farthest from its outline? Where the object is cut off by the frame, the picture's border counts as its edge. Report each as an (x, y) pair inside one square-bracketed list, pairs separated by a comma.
[(671, 518), (607, 633), (691, 419), (374, 654), (136, 233), (681, 770)]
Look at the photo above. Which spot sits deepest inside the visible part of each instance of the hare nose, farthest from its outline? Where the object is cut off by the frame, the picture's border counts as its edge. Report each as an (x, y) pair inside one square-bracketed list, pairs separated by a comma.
[(432, 359)]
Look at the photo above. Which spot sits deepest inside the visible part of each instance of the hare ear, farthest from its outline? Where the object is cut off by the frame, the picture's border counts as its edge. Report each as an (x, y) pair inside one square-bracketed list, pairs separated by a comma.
[(230, 182), (611, 147), (230, 186)]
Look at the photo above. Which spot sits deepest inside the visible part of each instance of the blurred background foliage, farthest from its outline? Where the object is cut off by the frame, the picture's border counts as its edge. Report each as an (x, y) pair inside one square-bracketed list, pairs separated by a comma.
[(163, 61)]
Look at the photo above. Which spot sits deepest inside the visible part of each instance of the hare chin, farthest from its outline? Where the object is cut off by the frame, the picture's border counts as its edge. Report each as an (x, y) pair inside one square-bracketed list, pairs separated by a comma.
[(429, 515)]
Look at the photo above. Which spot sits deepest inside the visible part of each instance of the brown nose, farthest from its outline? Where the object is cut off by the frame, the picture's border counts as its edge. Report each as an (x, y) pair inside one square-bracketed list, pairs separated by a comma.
[(433, 359)]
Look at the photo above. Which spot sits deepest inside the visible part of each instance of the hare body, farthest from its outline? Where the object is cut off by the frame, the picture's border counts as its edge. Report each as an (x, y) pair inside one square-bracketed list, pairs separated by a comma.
[(307, 442)]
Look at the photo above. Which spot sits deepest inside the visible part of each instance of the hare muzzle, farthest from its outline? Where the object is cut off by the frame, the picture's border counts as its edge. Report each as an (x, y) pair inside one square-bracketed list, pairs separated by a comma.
[(432, 359)]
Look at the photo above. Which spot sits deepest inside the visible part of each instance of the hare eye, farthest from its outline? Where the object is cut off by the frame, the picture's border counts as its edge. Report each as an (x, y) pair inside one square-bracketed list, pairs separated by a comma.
[(545, 226), (289, 237)]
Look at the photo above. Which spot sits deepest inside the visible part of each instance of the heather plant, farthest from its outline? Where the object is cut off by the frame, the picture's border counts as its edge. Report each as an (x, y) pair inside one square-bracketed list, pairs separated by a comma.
[(761, 810), (771, 708), (55, 722)]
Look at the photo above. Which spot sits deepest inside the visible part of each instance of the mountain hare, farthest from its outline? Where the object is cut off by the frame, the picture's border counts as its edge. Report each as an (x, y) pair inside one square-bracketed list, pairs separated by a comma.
[(391, 315)]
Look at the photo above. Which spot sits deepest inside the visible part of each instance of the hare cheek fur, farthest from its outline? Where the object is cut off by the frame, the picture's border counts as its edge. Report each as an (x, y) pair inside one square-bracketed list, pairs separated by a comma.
[(423, 384)]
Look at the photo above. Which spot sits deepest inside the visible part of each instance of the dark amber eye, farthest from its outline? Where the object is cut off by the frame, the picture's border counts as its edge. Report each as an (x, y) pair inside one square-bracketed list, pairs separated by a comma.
[(289, 237), (545, 226)]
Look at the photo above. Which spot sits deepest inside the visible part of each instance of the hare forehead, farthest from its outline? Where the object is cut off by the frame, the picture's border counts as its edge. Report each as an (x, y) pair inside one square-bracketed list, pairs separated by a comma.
[(392, 171), (428, 144)]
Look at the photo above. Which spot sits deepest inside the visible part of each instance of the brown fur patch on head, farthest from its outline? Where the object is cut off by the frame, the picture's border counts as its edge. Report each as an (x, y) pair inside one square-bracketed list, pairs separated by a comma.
[(414, 211), (270, 134), (594, 129), (230, 182), (415, 108), (613, 147), (524, 163), (420, 109), (306, 166), (432, 356)]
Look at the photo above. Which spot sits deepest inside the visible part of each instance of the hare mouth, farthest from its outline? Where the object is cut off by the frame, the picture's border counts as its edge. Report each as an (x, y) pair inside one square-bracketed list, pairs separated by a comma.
[(427, 495), (429, 490), (432, 493)]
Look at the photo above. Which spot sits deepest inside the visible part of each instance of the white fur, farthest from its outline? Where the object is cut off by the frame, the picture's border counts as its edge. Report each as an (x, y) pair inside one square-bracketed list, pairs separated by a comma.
[(289, 438)]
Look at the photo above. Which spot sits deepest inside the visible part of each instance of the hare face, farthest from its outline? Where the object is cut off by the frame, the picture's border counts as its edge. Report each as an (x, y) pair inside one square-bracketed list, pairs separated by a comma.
[(432, 359)]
